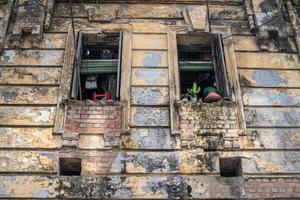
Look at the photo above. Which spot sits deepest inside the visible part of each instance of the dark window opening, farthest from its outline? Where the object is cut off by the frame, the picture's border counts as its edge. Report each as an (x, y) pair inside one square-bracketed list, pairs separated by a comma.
[(70, 166), (230, 167), (97, 67), (201, 62)]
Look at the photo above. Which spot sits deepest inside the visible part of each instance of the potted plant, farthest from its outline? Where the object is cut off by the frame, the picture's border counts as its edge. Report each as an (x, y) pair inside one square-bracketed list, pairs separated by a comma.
[(193, 92), (211, 95)]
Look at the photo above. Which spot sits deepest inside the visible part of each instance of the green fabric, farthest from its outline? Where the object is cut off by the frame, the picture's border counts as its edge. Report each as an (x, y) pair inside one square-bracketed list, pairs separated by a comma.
[(207, 89), (195, 66), (99, 66)]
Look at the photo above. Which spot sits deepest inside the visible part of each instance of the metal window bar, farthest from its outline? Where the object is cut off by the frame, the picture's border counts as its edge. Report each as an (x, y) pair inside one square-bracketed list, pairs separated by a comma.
[(102, 55), (195, 58)]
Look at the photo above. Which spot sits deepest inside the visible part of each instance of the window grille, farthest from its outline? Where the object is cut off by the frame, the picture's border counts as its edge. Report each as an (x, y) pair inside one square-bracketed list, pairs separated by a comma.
[(203, 63), (98, 60)]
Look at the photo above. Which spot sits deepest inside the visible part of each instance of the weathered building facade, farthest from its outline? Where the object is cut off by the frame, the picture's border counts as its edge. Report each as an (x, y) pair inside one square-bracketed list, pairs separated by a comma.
[(147, 142)]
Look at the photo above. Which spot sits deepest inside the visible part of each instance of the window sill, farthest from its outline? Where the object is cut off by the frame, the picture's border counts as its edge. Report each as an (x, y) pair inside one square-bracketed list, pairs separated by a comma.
[(96, 103), (222, 103)]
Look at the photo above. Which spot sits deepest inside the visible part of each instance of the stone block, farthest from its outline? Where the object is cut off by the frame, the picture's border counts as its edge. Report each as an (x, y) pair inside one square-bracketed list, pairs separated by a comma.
[(150, 95), (278, 117), (39, 138), (32, 57), (150, 116), (153, 59), (29, 161), (150, 77), (271, 97), (91, 142), (267, 60), (155, 138), (28, 75), (149, 41), (197, 16), (28, 95), (269, 78), (10, 115)]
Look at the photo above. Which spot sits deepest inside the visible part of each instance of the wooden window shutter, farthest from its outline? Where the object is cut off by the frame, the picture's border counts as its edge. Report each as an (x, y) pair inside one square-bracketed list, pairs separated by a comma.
[(76, 68), (119, 65), (220, 67)]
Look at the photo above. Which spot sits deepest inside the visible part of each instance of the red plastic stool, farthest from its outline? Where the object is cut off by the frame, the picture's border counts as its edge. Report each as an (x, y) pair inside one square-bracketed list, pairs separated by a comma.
[(106, 95)]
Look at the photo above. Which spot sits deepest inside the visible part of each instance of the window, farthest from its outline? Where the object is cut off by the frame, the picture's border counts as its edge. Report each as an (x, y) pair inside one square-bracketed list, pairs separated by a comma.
[(97, 67), (201, 62)]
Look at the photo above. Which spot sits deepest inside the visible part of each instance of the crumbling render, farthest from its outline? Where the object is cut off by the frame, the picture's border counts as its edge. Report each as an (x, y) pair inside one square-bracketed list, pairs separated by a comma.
[(33, 16)]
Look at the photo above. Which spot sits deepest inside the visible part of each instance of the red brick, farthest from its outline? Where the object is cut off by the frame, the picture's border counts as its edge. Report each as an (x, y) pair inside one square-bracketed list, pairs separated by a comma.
[(91, 130)]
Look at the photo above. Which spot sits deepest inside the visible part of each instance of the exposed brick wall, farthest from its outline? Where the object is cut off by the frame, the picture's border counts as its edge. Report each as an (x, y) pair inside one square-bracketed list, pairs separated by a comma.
[(87, 117), (272, 187), (102, 163), (212, 126)]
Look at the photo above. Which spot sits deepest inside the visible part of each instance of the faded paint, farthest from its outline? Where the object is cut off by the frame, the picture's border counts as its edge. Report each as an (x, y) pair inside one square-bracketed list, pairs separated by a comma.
[(152, 59), (198, 16), (150, 95), (28, 161), (259, 96), (267, 60), (32, 57), (272, 139), (150, 116), (207, 131), (29, 138), (30, 95), (149, 59), (150, 77), (266, 117), (10, 115), (29, 75), (149, 41), (269, 78), (150, 139), (91, 142)]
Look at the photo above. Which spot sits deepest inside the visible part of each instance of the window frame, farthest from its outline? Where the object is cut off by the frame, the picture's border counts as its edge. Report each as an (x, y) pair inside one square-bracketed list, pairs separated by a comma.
[(231, 66), (217, 60), (76, 84), (67, 70)]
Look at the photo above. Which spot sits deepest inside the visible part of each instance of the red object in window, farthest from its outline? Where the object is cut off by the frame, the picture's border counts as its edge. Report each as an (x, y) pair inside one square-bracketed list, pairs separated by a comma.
[(106, 95)]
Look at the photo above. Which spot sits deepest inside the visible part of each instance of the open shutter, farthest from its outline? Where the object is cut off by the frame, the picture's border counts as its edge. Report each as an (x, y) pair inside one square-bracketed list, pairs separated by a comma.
[(119, 66), (220, 67), (76, 68)]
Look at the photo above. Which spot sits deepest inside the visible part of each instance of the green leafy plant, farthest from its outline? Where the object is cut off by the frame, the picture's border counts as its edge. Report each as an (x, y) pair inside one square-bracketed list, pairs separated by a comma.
[(296, 3), (194, 91)]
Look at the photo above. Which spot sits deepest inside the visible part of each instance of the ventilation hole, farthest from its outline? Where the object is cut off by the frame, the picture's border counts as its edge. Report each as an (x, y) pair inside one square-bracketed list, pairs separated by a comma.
[(230, 167), (70, 166)]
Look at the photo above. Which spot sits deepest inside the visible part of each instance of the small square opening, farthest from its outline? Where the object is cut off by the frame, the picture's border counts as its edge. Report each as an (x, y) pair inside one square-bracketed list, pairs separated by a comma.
[(230, 167), (70, 166)]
